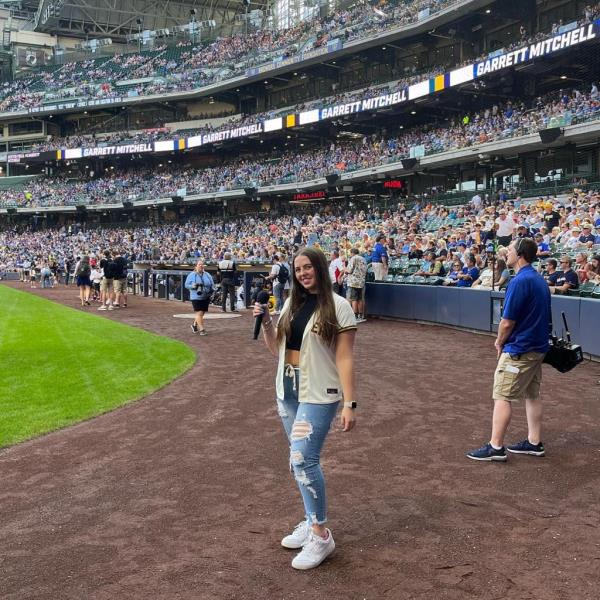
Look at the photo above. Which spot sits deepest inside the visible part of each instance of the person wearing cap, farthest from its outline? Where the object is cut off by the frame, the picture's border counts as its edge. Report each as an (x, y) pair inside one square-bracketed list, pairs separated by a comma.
[(573, 240), (586, 234), (566, 278), (551, 217), (506, 228), (543, 248)]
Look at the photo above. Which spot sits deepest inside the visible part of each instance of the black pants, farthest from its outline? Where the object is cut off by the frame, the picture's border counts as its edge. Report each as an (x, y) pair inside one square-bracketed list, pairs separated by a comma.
[(227, 289), (504, 240)]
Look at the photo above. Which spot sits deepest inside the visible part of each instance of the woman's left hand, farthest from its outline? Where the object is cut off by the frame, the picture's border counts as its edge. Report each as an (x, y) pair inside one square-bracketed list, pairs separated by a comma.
[(347, 419)]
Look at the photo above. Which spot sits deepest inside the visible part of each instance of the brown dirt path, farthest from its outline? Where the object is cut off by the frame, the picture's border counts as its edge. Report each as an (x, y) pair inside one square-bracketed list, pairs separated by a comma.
[(186, 494)]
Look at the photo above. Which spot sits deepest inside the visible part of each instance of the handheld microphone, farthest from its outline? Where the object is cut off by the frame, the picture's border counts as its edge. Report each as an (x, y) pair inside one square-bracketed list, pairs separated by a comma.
[(261, 298)]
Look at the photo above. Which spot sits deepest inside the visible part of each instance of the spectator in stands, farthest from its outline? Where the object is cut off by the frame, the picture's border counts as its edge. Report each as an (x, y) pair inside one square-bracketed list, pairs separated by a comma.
[(431, 267), (201, 286), (506, 228), (469, 274), (573, 240), (454, 271), (357, 273), (379, 258), (521, 345), (586, 234), (581, 262), (495, 278), (543, 247), (593, 269), (566, 278), (551, 274), (551, 216)]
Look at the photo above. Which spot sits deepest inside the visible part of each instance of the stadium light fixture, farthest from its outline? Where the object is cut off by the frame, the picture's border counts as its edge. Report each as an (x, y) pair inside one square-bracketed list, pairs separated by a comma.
[(488, 11)]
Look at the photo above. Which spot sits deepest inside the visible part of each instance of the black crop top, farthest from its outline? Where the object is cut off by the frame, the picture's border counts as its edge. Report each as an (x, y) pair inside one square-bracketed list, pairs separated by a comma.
[(299, 321)]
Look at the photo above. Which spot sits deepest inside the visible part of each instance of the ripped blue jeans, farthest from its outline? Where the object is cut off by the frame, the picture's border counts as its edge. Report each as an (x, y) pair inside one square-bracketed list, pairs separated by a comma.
[(306, 426)]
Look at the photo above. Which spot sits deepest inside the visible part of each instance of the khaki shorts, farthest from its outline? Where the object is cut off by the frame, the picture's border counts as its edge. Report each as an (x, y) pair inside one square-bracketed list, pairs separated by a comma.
[(355, 294), (120, 286), (106, 285), (520, 378)]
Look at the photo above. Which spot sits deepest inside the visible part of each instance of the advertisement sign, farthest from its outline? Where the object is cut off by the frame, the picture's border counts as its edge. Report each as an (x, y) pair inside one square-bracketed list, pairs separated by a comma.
[(394, 184), (559, 42), (306, 196), (330, 112)]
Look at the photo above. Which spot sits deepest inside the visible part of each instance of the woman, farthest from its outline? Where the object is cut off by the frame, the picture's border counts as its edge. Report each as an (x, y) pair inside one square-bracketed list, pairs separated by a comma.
[(201, 287), (82, 275), (314, 339), (593, 269), (455, 270), (501, 276)]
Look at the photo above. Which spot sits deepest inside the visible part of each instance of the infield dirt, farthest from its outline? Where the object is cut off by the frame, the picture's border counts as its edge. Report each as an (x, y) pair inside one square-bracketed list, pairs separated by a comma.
[(186, 494)]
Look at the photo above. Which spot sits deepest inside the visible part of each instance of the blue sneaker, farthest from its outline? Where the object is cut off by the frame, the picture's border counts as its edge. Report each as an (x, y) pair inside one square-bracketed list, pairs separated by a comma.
[(526, 447), (488, 452)]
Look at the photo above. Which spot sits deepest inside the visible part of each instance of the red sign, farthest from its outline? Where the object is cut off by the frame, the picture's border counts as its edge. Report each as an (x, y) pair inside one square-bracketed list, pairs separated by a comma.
[(310, 196), (393, 184)]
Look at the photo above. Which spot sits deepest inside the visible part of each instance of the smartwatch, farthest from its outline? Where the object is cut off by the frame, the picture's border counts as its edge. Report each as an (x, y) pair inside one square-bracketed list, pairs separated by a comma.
[(352, 405)]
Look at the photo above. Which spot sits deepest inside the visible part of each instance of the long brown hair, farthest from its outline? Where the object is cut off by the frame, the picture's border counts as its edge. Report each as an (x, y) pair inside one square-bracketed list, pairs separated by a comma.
[(326, 319)]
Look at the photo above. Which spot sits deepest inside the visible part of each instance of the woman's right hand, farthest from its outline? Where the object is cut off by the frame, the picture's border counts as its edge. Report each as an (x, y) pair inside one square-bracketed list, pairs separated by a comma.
[(259, 309)]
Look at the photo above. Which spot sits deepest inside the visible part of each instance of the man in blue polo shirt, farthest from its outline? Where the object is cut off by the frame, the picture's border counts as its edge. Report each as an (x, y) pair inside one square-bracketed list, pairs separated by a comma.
[(522, 343), (379, 258)]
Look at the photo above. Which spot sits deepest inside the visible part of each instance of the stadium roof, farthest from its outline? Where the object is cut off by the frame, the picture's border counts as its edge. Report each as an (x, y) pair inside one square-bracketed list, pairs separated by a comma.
[(118, 18)]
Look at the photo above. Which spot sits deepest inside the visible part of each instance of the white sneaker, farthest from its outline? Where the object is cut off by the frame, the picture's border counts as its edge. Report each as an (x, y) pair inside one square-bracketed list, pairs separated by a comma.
[(102, 307), (314, 552), (298, 537)]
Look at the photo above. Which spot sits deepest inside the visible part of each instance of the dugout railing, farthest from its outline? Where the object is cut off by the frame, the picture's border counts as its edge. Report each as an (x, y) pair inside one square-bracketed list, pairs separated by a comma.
[(165, 284)]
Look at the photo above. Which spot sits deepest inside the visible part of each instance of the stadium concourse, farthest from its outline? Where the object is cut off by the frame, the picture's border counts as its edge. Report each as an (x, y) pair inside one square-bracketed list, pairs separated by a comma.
[(185, 494)]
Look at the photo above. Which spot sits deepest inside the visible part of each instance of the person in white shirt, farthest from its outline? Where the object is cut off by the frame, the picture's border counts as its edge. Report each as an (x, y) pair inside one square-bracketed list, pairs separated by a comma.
[(96, 278), (506, 228), (314, 342), (336, 268)]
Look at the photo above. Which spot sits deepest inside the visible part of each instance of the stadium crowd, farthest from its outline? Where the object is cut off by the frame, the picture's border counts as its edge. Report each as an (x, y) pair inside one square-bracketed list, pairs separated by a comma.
[(410, 76), (497, 122), (194, 65), (464, 246)]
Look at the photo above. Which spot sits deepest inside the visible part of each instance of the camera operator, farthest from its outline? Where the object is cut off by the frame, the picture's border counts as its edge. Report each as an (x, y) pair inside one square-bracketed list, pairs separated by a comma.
[(228, 274), (522, 342), (201, 286)]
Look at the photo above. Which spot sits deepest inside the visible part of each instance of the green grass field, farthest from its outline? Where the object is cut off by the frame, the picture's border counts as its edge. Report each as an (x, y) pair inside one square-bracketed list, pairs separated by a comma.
[(59, 366)]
